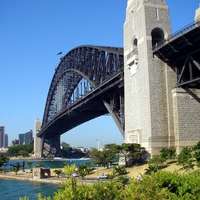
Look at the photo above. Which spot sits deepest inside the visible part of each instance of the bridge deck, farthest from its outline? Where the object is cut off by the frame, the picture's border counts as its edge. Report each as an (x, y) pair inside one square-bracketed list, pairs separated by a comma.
[(181, 52)]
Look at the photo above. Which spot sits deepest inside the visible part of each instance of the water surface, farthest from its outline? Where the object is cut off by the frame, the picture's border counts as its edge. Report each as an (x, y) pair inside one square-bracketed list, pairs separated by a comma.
[(13, 190)]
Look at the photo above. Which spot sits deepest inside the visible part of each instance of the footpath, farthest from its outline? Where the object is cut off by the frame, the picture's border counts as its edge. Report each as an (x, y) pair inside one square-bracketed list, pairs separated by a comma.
[(23, 176), (53, 179)]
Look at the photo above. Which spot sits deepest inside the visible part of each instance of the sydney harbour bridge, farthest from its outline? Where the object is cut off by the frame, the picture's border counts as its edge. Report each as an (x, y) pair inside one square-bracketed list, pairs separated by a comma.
[(89, 82)]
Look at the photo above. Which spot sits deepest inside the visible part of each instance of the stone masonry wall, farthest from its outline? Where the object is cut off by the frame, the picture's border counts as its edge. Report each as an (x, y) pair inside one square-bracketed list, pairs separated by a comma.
[(186, 118)]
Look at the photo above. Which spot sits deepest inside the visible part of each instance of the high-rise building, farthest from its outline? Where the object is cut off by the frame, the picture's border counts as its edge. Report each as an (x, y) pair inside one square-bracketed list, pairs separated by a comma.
[(29, 137), (26, 138), (2, 136), (21, 139), (6, 140)]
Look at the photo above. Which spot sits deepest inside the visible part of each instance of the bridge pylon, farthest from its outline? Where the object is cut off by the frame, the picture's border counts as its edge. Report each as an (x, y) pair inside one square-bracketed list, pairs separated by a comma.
[(155, 109), (51, 146)]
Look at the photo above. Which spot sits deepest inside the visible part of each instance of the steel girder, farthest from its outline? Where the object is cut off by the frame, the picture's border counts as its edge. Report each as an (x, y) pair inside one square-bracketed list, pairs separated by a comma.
[(95, 74), (181, 52)]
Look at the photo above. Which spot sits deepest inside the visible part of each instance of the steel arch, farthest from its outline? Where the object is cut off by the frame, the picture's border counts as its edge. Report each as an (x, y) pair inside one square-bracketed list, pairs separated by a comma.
[(95, 64)]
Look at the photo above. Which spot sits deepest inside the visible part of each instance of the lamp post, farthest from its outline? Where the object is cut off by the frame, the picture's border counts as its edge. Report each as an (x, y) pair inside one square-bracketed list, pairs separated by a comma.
[(97, 144)]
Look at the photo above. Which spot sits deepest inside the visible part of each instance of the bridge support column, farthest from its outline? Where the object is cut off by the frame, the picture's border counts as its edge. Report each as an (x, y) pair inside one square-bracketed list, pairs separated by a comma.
[(115, 117), (51, 147)]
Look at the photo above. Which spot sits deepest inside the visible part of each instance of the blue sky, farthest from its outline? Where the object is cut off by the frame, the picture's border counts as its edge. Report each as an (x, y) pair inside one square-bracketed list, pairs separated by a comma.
[(31, 35)]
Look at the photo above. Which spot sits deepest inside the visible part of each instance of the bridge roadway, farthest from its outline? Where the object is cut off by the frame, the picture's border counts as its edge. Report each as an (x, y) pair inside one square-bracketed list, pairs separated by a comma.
[(86, 108), (87, 83), (103, 68), (181, 52)]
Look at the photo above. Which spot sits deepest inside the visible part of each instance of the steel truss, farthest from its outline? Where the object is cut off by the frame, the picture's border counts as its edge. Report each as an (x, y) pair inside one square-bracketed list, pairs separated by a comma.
[(87, 83), (181, 52)]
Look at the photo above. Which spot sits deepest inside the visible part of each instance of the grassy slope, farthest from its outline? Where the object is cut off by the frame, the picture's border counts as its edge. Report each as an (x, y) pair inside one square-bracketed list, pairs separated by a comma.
[(134, 171)]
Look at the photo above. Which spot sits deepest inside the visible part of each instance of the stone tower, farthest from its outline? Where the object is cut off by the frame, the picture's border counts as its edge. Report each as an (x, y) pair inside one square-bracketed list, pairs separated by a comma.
[(37, 140), (154, 107), (147, 86)]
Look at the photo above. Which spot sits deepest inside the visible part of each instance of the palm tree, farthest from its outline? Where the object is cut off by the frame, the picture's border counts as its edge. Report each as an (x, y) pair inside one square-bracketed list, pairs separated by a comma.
[(30, 163), (39, 164), (16, 167), (58, 172)]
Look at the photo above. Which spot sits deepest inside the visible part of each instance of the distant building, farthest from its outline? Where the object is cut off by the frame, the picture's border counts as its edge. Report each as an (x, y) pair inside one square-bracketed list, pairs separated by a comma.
[(26, 138), (6, 140), (83, 149), (3, 151), (15, 142), (2, 136)]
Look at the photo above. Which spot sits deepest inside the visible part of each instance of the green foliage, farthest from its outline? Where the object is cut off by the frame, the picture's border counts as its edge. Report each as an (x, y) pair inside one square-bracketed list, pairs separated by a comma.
[(20, 150), (133, 154), (168, 153), (84, 169), (16, 167), (120, 170), (69, 152), (197, 146), (24, 198), (39, 164), (23, 153), (196, 153), (124, 180), (161, 185), (111, 176), (157, 161), (102, 157), (185, 158), (58, 172), (151, 168), (29, 163), (69, 169), (3, 160)]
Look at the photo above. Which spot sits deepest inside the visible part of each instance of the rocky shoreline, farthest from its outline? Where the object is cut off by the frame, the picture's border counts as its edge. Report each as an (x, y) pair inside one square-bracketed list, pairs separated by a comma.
[(25, 177), (22, 176)]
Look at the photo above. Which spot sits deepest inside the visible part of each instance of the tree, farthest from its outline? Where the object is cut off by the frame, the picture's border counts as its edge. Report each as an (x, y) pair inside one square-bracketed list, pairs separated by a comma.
[(168, 153), (197, 146), (39, 164), (102, 157), (16, 167), (23, 153), (58, 172), (196, 153), (84, 169), (69, 169), (20, 150), (120, 170), (3, 160), (185, 158), (157, 161), (133, 153), (30, 163)]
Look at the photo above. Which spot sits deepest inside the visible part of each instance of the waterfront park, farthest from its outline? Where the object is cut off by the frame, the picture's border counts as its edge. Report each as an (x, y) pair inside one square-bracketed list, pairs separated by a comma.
[(100, 177)]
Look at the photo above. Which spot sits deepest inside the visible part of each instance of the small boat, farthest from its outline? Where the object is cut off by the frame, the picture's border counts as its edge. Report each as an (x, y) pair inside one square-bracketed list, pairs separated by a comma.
[(57, 158), (83, 158)]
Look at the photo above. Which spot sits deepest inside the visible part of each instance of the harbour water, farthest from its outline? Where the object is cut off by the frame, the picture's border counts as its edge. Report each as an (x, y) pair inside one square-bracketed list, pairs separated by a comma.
[(47, 163), (13, 189)]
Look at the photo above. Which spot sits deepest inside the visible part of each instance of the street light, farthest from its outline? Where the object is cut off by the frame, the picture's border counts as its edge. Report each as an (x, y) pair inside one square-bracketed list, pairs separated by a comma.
[(97, 144)]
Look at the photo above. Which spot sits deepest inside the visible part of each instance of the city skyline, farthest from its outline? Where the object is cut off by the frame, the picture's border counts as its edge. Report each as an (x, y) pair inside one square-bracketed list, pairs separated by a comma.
[(3, 137), (32, 34)]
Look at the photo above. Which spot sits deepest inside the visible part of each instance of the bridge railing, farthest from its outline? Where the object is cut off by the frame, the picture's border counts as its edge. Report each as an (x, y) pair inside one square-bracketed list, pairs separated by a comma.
[(177, 34)]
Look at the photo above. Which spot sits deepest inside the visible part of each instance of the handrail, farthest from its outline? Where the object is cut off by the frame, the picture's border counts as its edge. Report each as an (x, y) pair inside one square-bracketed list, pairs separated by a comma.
[(177, 34)]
